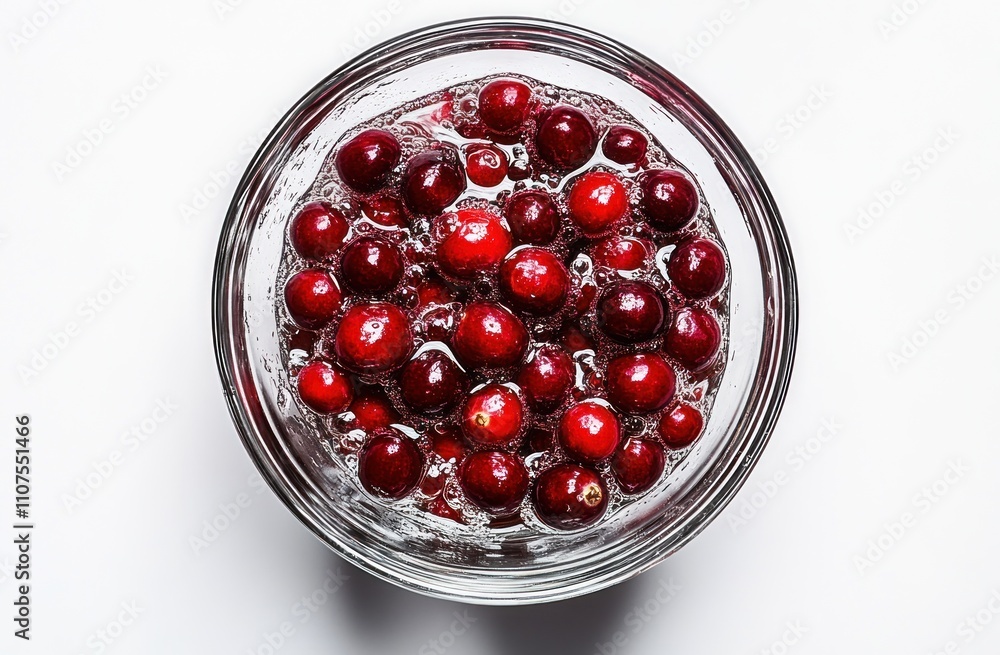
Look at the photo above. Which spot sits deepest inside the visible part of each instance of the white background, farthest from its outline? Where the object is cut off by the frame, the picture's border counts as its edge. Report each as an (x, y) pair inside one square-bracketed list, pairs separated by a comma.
[(818, 545)]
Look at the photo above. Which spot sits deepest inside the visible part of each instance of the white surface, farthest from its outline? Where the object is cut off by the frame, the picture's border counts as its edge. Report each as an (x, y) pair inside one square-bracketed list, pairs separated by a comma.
[(883, 99)]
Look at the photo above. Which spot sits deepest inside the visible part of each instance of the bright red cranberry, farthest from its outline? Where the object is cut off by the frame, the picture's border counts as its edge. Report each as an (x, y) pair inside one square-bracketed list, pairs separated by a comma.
[(372, 338), (669, 199), (534, 281), (589, 432), (431, 382), (440, 507), (493, 480), (566, 138), (372, 410), (432, 291), (631, 311), (447, 442), (318, 230), (312, 298), (533, 217), (485, 165), (546, 378), (492, 416), (640, 384), (371, 266), (638, 464), (622, 253), (324, 388), (503, 104), (385, 209), (471, 242), (390, 464), (568, 496), (487, 335), (697, 268), (693, 338), (433, 180), (366, 161), (596, 202), (681, 426), (625, 145)]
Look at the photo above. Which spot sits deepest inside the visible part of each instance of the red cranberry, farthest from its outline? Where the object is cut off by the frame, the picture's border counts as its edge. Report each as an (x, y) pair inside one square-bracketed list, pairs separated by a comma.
[(492, 416), (681, 426), (431, 382), (639, 384), (488, 335), (625, 145), (539, 440), (493, 480), (503, 104), (697, 268), (324, 389), (585, 295), (622, 253), (589, 432), (448, 444), (566, 138), (534, 281), (390, 464), (485, 165), (693, 338), (312, 298), (433, 180), (440, 507), (372, 338), (669, 199), (318, 230), (371, 266), (518, 170), (438, 323), (574, 339), (432, 291), (596, 202), (470, 242), (386, 210), (568, 497), (546, 378), (372, 410), (533, 217), (631, 311), (365, 162), (638, 464)]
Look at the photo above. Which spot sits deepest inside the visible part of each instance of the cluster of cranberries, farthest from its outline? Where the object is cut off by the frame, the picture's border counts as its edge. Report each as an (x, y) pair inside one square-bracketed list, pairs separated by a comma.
[(462, 336)]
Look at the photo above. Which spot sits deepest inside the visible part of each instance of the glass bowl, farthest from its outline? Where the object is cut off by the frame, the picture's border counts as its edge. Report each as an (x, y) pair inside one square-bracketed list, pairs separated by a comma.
[(522, 565)]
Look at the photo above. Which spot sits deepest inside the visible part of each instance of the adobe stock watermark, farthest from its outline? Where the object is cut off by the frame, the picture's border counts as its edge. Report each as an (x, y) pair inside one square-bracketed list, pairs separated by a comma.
[(793, 121), (229, 513), (639, 617), (34, 23), (106, 636), (711, 30), (446, 639), (369, 32), (922, 502), (897, 18), (969, 628), (792, 634)]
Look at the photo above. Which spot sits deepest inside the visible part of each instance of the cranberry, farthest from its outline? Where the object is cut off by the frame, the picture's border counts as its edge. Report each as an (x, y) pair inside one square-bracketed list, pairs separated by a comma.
[(669, 199), (432, 291), (534, 281), (324, 389), (386, 210), (390, 464), (639, 384), (470, 242), (365, 162), (372, 410), (372, 338), (433, 180), (631, 311), (518, 170), (440, 507), (448, 444), (566, 138), (625, 145), (503, 104), (589, 432), (546, 378), (493, 480), (568, 496), (622, 253), (371, 266), (533, 217), (488, 335), (485, 165), (312, 298), (585, 295), (697, 268), (492, 416), (596, 202), (318, 230), (680, 427), (438, 323), (693, 338), (431, 382), (574, 339), (638, 464), (539, 440)]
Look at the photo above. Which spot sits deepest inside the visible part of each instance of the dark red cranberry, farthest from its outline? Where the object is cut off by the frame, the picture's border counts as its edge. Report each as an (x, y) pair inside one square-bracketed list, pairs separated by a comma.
[(503, 104), (669, 199), (693, 338), (639, 384), (471, 242), (539, 440), (447, 442), (625, 145), (366, 161), (431, 382), (312, 298), (566, 139), (432, 291), (585, 295), (493, 480), (518, 170), (318, 230), (372, 338), (371, 266), (440, 507), (492, 416), (485, 165), (631, 311), (596, 202), (533, 217), (697, 268), (568, 496), (438, 323), (622, 253), (681, 426), (385, 209), (324, 388), (546, 378), (433, 180), (638, 464), (589, 432), (390, 464), (488, 335), (534, 281), (574, 339), (372, 410)]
